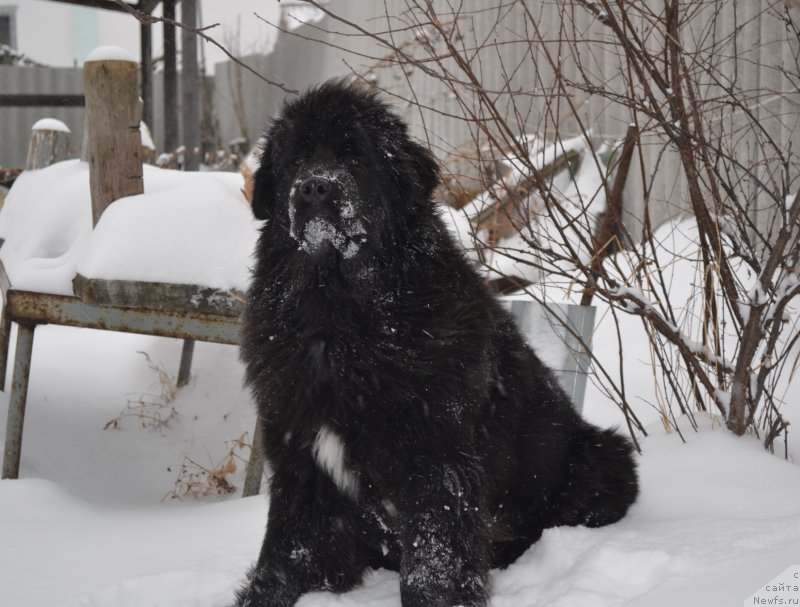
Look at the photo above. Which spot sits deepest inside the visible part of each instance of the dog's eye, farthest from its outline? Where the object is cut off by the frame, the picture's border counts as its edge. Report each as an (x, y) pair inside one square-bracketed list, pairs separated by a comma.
[(354, 162), (297, 161)]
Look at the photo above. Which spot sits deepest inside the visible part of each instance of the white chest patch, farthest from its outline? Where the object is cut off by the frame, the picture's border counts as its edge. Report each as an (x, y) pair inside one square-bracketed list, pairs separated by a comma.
[(329, 451)]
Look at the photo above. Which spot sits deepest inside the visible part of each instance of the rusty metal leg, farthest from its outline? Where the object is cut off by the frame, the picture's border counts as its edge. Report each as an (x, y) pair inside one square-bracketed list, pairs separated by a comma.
[(5, 336), (16, 404), (255, 465), (185, 368)]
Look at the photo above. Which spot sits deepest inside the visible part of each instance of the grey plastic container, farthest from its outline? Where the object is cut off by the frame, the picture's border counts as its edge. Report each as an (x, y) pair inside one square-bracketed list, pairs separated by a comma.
[(546, 330)]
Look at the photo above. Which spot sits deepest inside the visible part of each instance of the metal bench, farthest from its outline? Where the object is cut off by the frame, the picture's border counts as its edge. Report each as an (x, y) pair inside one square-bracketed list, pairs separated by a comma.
[(181, 311)]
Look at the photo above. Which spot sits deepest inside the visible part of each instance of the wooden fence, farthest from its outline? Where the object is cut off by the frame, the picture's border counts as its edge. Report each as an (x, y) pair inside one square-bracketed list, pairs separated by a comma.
[(759, 47)]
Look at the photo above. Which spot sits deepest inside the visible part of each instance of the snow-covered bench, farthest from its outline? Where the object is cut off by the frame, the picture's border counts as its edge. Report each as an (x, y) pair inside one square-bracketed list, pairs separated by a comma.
[(172, 261)]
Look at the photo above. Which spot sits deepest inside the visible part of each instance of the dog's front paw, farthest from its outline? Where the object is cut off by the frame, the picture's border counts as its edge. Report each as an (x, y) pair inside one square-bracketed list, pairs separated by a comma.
[(266, 591), (437, 583)]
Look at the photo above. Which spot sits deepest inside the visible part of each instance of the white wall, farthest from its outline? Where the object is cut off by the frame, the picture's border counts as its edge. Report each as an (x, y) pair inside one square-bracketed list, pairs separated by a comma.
[(254, 36), (46, 31)]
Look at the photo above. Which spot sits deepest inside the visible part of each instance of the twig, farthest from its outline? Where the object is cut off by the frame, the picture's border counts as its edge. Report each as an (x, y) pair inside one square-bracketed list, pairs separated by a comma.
[(146, 19)]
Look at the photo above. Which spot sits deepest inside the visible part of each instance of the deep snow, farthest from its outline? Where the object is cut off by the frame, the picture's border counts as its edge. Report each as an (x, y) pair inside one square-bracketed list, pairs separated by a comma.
[(85, 525), (717, 518), (188, 228)]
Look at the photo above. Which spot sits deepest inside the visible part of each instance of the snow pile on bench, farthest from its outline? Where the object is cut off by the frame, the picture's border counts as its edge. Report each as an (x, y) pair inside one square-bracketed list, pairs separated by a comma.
[(187, 228)]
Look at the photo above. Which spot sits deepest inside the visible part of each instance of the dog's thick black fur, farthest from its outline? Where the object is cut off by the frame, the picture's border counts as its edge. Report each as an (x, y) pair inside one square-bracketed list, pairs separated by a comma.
[(405, 422)]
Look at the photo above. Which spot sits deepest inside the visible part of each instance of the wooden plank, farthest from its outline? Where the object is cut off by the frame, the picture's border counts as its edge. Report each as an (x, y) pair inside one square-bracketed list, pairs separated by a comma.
[(34, 100)]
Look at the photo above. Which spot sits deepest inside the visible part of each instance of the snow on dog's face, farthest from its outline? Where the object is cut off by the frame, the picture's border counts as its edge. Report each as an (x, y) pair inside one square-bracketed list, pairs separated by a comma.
[(339, 174), (325, 204)]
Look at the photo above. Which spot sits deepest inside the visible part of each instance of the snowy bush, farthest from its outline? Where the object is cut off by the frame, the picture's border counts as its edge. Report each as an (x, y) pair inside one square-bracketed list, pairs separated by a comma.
[(704, 89)]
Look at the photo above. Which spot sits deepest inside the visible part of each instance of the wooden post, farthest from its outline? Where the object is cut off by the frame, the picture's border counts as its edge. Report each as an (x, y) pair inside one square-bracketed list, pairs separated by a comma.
[(146, 71), (190, 84), (112, 142), (171, 136), (49, 144)]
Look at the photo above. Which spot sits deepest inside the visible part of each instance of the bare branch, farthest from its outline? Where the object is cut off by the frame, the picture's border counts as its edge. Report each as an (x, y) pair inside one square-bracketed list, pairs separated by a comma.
[(147, 19)]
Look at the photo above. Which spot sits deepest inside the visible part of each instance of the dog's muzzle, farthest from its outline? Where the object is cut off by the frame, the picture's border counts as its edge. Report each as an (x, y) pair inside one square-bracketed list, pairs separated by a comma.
[(322, 214)]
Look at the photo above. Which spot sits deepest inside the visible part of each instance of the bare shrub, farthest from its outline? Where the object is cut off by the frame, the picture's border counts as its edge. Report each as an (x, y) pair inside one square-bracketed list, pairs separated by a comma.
[(704, 95)]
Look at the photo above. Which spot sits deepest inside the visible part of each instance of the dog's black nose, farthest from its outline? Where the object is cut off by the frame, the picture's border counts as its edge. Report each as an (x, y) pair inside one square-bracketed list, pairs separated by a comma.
[(317, 189)]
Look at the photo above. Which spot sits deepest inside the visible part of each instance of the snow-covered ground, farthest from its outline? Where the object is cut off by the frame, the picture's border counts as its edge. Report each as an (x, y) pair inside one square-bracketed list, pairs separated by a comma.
[(87, 524)]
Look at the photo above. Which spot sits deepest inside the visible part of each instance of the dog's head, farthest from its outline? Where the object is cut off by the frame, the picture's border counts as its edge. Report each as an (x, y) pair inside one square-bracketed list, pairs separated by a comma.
[(338, 168)]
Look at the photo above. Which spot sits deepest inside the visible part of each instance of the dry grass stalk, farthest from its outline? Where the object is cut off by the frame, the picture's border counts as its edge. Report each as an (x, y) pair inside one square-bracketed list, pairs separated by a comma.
[(196, 481), (152, 411)]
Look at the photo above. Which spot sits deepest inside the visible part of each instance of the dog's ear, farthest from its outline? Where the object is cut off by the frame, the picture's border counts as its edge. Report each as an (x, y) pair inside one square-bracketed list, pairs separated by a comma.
[(263, 186), (423, 165)]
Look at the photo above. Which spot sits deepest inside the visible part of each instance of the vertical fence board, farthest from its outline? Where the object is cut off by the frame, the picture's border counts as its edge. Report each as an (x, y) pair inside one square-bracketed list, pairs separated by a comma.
[(16, 122)]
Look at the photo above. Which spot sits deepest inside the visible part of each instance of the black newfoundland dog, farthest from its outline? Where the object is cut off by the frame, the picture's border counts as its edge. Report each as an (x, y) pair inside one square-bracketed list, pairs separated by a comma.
[(405, 422)]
